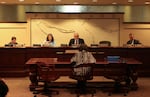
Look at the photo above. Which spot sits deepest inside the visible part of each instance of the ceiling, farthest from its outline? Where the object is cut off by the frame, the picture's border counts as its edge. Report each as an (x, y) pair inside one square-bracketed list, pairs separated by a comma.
[(78, 2)]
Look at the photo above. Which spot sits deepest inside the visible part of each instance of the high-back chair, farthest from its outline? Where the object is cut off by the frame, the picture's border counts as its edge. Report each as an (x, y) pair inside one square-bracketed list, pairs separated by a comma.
[(82, 73), (105, 43), (119, 73), (47, 75)]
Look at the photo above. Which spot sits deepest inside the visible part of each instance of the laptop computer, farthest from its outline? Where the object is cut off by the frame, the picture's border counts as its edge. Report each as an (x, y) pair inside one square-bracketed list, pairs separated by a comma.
[(113, 59)]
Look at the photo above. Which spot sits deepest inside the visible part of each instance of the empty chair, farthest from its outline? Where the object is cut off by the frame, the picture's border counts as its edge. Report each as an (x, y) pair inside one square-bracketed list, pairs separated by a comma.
[(47, 75), (119, 73), (105, 43)]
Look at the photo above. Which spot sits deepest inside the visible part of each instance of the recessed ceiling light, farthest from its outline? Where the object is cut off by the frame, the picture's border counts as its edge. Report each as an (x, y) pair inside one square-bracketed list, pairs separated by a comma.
[(114, 3), (37, 2), (75, 3), (147, 2), (21, 0), (3, 2), (58, 0), (130, 1), (94, 0)]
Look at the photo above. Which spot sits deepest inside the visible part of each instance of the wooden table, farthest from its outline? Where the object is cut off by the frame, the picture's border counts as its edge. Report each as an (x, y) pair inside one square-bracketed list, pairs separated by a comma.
[(131, 63)]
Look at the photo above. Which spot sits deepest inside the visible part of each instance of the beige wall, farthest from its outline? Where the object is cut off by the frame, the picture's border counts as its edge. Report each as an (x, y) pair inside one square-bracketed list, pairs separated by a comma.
[(91, 27), (141, 32), (91, 30), (7, 30), (35, 30)]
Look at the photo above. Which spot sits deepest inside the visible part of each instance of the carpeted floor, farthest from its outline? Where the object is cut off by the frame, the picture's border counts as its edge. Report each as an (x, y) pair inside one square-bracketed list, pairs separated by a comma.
[(19, 87)]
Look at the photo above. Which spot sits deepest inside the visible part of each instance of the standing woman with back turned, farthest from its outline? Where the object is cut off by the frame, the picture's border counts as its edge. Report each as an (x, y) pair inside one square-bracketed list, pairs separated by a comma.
[(49, 41)]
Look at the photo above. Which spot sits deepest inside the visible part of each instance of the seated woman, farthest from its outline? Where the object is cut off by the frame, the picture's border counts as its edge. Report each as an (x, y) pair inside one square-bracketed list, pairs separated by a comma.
[(49, 41)]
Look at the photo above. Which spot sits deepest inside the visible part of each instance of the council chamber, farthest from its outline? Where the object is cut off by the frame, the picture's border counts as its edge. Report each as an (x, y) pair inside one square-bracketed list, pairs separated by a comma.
[(37, 48)]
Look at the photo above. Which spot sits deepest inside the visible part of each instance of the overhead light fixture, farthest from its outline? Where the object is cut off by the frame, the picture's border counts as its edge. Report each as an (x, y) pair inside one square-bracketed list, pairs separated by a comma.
[(71, 8), (21, 0), (147, 2), (37, 2), (75, 3), (58, 0), (130, 1), (114, 3), (94, 0), (3, 2)]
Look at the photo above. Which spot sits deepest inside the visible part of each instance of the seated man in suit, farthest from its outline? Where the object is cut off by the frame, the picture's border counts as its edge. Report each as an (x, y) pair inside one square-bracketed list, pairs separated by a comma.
[(132, 41), (76, 40)]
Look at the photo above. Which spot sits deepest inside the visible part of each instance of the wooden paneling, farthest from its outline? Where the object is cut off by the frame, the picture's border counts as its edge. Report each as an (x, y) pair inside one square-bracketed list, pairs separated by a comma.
[(12, 60)]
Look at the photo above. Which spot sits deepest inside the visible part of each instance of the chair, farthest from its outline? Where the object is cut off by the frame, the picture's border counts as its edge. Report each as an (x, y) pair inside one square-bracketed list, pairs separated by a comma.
[(82, 73), (94, 45), (63, 45), (119, 73), (47, 75), (105, 43)]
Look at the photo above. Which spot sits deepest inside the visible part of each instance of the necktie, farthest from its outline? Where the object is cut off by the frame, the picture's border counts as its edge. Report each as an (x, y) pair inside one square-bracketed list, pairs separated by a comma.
[(76, 41), (132, 42)]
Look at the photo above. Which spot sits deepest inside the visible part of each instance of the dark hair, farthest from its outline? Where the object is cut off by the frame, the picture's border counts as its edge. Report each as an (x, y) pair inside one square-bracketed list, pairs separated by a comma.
[(83, 47), (13, 38), (51, 36), (3, 89)]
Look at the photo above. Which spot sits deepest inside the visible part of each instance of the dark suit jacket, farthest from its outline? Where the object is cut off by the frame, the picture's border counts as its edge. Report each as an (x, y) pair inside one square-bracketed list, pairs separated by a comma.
[(81, 41), (135, 42), (3, 88)]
